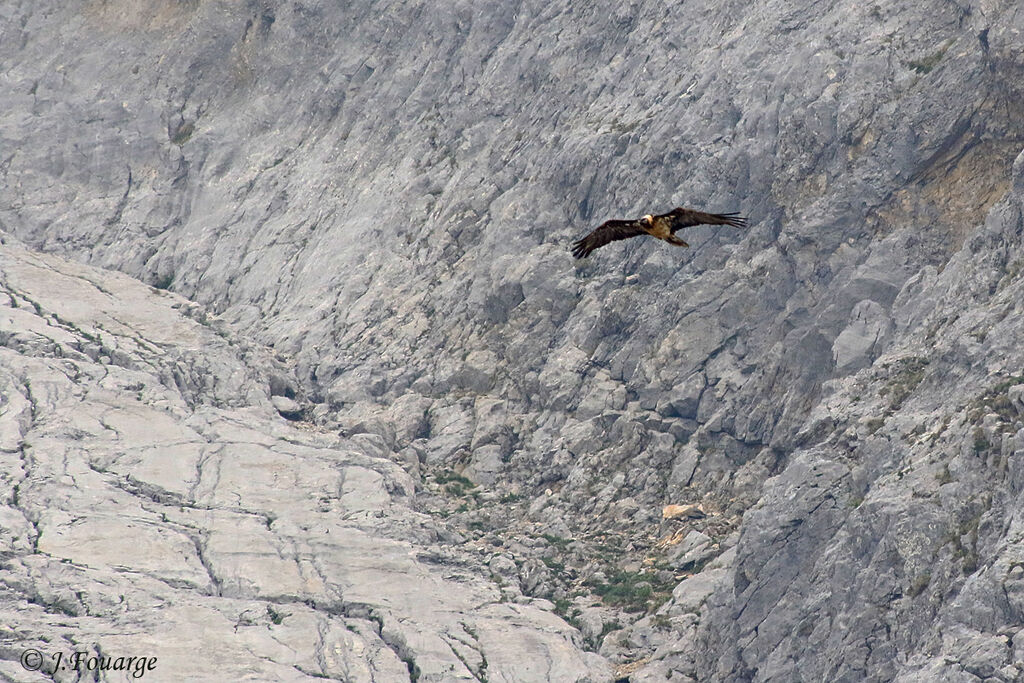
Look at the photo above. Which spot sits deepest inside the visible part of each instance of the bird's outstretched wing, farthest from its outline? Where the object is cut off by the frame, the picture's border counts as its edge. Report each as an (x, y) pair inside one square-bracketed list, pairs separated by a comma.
[(609, 231), (684, 218)]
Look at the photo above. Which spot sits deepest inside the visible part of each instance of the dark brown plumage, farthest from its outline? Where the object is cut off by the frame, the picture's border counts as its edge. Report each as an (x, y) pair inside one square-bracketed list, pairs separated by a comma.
[(663, 227)]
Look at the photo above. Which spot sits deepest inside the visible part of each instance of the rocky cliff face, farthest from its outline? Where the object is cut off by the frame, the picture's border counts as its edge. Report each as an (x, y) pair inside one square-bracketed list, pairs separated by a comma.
[(157, 505), (382, 195)]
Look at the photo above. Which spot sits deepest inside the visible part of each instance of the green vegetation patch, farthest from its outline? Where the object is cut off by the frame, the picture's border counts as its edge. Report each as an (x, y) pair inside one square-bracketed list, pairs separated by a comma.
[(906, 374), (967, 552), (995, 399), (275, 616), (554, 565), (455, 484), (981, 443), (633, 591), (926, 64), (184, 133), (557, 541)]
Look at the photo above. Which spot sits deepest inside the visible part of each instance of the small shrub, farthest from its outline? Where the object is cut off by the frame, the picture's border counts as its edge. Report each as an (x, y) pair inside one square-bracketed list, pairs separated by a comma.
[(981, 443), (275, 616), (907, 374), (183, 134), (926, 64), (633, 591), (455, 484)]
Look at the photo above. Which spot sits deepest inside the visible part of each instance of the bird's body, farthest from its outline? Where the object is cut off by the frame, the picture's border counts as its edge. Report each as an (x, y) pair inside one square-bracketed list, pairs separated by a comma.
[(663, 226)]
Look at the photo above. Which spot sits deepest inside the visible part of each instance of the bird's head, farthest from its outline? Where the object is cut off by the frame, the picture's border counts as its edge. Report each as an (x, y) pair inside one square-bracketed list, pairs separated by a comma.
[(647, 220)]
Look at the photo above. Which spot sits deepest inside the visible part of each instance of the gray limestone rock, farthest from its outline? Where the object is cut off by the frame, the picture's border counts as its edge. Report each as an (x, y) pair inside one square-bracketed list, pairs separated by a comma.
[(152, 510), (695, 549), (365, 209)]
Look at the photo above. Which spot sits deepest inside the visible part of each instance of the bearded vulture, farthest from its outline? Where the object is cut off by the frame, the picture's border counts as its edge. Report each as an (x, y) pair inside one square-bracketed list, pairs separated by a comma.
[(663, 227)]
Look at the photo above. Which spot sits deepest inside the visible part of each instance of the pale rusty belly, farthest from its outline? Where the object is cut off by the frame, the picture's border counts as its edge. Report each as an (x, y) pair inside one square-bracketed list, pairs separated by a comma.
[(659, 229)]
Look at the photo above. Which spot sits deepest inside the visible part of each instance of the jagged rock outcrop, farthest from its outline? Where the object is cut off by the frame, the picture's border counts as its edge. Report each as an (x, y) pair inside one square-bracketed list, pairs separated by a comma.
[(384, 195)]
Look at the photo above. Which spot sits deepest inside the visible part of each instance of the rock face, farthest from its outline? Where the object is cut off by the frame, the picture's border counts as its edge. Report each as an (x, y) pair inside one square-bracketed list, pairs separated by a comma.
[(383, 195), (156, 505)]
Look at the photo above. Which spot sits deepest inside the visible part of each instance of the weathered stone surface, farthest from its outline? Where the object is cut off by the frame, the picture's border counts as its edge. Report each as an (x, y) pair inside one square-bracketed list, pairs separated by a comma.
[(144, 515), (695, 548), (383, 196)]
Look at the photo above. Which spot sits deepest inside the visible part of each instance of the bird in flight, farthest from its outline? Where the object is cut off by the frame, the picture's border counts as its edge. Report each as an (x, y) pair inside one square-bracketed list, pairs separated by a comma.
[(663, 226)]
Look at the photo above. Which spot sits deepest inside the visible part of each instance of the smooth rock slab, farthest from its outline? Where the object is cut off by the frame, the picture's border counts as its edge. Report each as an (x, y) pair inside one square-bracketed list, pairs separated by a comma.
[(146, 514)]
